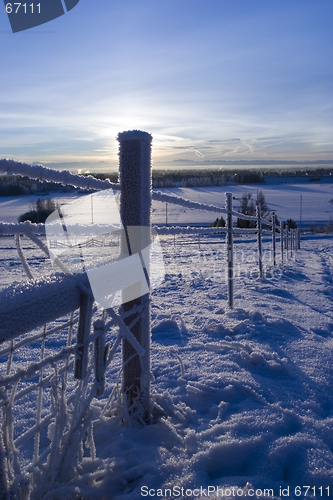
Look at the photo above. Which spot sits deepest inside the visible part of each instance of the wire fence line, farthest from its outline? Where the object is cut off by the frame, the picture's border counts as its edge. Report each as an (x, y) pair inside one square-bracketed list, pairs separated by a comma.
[(75, 344), (42, 173), (289, 239)]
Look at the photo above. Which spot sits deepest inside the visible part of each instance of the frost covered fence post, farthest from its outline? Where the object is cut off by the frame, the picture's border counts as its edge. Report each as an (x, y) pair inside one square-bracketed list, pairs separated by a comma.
[(281, 239), (274, 240), (291, 242), (135, 212), (292, 233), (230, 251), (100, 353), (259, 240), (83, 332), (4, 493), (298, 239)]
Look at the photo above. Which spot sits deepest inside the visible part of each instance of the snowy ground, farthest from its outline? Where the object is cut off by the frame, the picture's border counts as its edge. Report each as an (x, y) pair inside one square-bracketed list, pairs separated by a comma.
[(245, 394), (243, 397)]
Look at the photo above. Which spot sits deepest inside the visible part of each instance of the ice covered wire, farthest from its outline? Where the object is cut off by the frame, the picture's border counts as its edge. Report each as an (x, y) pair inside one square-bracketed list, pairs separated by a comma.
[(88, 182)]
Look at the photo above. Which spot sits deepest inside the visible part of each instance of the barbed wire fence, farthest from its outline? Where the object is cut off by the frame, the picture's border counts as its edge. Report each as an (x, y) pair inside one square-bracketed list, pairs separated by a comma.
[(55, 320)]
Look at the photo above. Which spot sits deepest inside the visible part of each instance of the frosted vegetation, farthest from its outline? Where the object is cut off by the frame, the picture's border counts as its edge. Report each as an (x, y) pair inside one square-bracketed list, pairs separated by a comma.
[(241, 397)]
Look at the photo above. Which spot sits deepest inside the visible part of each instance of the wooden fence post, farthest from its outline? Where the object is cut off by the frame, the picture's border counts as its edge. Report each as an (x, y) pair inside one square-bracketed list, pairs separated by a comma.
[(291, 241), (83, 332), (274, 240), (4, 492), (281, 239), (259, 241), (135, 212), (230, 251), (100, 357), (299, 239)]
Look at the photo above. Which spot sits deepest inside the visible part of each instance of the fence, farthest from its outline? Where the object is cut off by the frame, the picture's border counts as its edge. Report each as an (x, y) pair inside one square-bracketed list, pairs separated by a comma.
[(289, 238), (76, 343)]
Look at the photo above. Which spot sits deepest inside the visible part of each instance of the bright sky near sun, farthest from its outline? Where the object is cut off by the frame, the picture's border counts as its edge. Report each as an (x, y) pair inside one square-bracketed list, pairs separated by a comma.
[(209, 79)]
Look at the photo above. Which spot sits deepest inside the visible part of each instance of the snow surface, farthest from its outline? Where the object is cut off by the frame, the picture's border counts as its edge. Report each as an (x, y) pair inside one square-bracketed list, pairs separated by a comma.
[(242, 397), (254, 402), (284, 199)]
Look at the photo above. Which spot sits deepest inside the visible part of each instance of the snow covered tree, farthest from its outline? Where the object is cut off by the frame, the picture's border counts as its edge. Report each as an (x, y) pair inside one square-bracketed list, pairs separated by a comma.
[(261, 202), (247, 208), (291, 224), (218, 223)]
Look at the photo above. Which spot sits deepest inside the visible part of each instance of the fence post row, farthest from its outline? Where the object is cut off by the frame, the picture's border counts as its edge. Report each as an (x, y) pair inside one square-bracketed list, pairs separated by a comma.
[(135, 210), (230, 251)]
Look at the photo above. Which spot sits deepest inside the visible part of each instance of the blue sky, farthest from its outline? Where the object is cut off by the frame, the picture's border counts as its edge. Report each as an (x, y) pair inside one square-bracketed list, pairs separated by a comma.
[(209, 79)]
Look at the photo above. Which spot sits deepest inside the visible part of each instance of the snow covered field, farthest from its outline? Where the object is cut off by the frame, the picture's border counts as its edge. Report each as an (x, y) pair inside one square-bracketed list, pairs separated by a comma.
[(284, 199), (243, 398)]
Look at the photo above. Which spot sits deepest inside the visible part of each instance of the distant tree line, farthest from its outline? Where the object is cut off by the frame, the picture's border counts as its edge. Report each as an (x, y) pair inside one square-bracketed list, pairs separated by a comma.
[(11, 190), (203, 178), (15, 185)]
